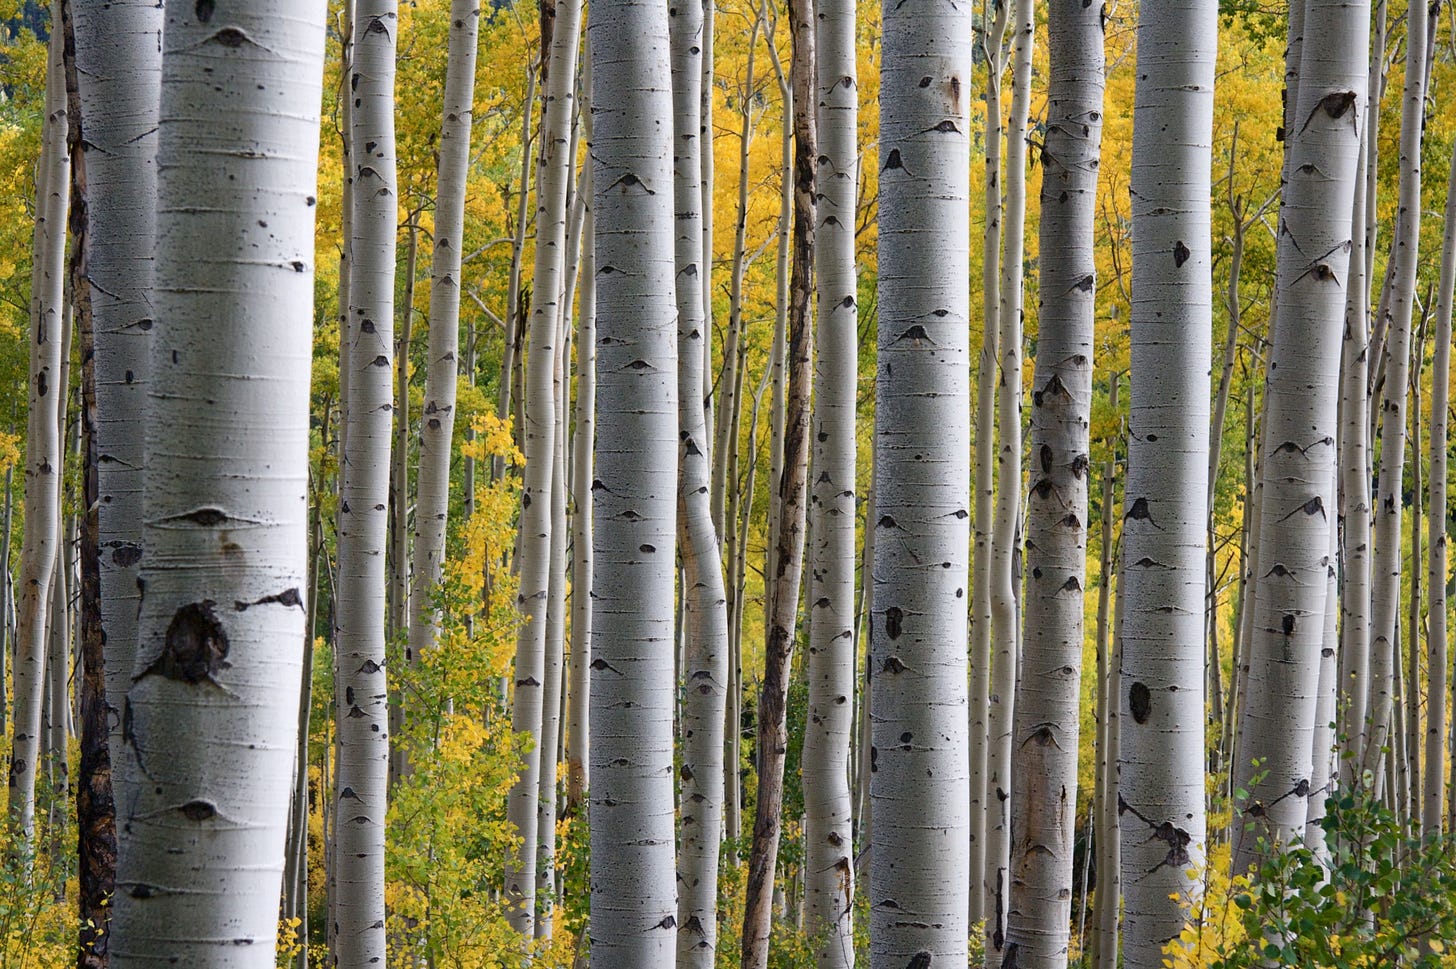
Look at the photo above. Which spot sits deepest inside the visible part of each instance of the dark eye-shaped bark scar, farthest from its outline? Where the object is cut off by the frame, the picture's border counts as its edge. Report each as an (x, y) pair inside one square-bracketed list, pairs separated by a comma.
[(194, 649)]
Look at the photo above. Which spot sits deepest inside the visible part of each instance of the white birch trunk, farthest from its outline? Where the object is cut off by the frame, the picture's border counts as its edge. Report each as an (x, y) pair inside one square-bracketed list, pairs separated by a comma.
[(1161, 717), (1277, 721), (211, 716), (920, 783), (634, 900), (44, 459), (1048, 703), (362, 695)]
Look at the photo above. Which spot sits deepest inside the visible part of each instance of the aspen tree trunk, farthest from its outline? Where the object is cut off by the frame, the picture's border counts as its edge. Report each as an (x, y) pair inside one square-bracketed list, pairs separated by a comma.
[(504, 403), (1277, 722), (920, 781), (212, 711), (578, 737), (1436, 643), (634, 901), (705, 674), (118, 71), (437, 420), (828, 806), (1411, 761), (362, 777), (1004, 591), (552, 172), (555, 655), (1107, 840), (44, 456), (790, 487), (985, 470), (705, 191), (1389, 506), (1047, 714), (1161, 720), (1326, 712), (1354, 451)]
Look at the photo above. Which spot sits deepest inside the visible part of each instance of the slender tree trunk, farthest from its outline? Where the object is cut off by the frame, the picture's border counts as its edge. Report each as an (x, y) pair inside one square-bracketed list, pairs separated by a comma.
[(828, 835), (1326, 712), (1005, 539), (552, 172), (44, 456), (1436, 644), (1389, 507), (786, 560), (634, 901), (982, 563), (504, 403), (1412, 694), (1048, 703), (362, 695), (920, 781), (397, 609), (705, 675), (211, 716), (1161, 718), (1107, 840)]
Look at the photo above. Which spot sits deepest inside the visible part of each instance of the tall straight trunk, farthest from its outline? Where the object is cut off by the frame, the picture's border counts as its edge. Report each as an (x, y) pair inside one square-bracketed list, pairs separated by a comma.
[(1389, 505), (544, 333), (44, 456), (705, 677), (985, 469), (1160, 713), (1354, 451), (1277, 721), (1048, 703), (211, 715), (1004, 551), (920, 780), (362, 776), (706, 166), (437, 419), (1326, 706), (505, 402), (1106, 840), (397, 601), (828, 806), (790, 490), (634, 900), (1438, 661), (1412, 694), (578, 737)]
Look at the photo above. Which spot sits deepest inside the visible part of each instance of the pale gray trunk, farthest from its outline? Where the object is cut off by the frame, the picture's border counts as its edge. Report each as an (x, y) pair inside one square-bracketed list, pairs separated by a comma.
[(1006, 534), (634, 899), (43, 448), (362, 694), (828, 807), (555, 654), (920, 785), (1160, 716), (1106, 841), (1326, 710), (211, 715), (1047, 714)]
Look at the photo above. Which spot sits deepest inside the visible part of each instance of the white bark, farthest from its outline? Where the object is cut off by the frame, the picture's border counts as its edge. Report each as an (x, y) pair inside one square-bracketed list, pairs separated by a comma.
[(920, 784), (211, 715), (119, 69), (705, 659), (1048, 703), (634, 901), (828, 836), (44, 459), (363, 716), (1161, 717)]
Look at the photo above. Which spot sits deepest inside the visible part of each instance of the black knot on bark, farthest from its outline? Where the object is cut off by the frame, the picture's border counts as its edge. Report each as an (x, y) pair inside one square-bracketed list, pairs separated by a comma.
[(195, 647)]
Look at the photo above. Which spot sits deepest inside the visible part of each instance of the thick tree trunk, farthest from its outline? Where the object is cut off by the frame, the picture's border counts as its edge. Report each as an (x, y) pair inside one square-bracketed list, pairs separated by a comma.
[(1160, 715), (786, 559), (44, 456), (1048, 703), (634, 901), (212, 710), (1277, 721), (1005, 539), (362, 695), (920, 780)]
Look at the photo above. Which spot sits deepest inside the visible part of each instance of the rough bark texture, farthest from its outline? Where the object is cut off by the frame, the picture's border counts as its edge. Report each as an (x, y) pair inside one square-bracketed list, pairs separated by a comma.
[(211, 716), (1277, 720), (360, 786), (1161, 718), (920, 784), (828, 807), (1048, 702), (634, 901)]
